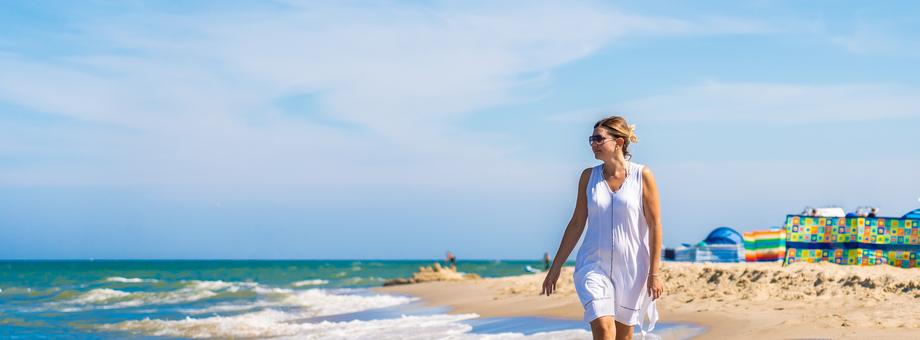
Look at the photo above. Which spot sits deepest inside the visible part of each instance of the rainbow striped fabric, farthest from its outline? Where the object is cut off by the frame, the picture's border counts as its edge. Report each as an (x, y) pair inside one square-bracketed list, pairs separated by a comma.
[(853, 240), (764, 245)]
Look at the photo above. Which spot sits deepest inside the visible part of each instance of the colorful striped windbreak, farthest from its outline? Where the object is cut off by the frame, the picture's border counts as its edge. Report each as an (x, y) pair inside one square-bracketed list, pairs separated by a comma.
[(853, 240), (764, 245)]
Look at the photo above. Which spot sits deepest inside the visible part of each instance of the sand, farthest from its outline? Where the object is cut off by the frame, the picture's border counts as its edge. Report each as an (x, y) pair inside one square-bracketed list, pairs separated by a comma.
[(430, 273), (733, 301)]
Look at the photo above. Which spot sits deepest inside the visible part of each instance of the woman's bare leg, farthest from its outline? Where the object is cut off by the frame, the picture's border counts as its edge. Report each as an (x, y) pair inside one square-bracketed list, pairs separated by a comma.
[(603, 329), (624, 332)]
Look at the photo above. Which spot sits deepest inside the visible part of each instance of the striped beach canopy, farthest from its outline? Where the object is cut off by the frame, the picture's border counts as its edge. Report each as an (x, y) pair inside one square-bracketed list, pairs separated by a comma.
[(765, 245)]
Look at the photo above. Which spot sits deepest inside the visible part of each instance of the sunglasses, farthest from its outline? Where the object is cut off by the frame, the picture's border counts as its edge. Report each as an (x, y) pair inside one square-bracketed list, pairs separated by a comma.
[(596, 139)]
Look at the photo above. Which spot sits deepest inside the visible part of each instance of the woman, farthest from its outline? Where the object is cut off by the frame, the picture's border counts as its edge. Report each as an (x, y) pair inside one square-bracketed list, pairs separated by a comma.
[(616, 269)]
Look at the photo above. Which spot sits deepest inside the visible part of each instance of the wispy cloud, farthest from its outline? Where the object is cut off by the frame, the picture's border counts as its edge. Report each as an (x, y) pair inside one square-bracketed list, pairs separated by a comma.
[(199, 92), (758, 103), (876, 38)]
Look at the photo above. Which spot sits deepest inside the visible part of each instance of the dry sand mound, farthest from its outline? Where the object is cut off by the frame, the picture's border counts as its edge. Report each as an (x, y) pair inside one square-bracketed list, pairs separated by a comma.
[(432, 273), (799, 281)]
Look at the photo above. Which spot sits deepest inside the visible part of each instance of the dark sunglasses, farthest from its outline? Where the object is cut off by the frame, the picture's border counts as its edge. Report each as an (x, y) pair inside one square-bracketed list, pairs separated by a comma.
[(596, 139)]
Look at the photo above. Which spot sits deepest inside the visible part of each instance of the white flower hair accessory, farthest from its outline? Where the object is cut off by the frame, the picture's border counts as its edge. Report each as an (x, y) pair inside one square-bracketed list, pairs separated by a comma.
[(632, 134)]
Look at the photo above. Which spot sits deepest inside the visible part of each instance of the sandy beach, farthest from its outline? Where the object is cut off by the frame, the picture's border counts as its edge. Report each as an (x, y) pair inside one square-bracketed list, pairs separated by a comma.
[(732, 300)]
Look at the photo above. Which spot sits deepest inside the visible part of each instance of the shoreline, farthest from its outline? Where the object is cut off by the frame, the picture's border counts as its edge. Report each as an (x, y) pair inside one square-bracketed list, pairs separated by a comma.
[(730, 300), (464, 297)]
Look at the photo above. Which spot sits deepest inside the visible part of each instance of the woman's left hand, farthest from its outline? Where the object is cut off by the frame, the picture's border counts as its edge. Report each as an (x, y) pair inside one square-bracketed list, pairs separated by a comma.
[(655, 288)]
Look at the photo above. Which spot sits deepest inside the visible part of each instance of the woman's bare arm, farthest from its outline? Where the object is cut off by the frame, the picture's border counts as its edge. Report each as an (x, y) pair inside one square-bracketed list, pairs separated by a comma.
[(652, 211), (576, 224), (572, 233)]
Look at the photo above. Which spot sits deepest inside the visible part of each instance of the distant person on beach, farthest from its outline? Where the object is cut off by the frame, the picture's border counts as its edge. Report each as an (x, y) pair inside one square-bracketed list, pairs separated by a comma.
[(451, 260), (616, 269), (546, 261), (873, 212)]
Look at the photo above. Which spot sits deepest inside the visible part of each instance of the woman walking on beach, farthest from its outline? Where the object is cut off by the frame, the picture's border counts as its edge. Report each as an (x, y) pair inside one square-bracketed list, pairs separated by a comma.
[(616, 268)]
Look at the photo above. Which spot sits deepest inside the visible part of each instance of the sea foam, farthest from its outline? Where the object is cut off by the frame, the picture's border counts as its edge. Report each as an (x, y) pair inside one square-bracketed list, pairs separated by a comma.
[(323, 303), (106, 298), (313, 302), (100, 295), (316, 282), (273, 323), (129, 280)]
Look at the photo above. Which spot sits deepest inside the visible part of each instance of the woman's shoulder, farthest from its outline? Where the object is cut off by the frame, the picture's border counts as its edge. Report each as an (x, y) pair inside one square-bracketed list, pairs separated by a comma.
[(646, 173), (587, 172), (637, 166), (643, 169)]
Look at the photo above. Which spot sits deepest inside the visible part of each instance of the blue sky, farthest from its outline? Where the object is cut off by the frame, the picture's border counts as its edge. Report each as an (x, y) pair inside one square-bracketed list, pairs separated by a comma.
[(219, 129)]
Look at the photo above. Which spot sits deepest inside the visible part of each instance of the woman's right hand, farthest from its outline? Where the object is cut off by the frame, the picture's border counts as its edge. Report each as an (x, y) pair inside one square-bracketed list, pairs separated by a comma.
[(549, 283)]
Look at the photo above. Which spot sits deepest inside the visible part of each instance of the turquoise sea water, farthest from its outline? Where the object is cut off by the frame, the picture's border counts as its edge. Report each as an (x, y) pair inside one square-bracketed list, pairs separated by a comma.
[(255, 299)]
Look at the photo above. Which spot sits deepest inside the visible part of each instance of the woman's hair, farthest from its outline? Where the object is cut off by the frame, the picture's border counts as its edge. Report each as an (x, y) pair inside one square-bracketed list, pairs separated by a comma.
[(617, 127)]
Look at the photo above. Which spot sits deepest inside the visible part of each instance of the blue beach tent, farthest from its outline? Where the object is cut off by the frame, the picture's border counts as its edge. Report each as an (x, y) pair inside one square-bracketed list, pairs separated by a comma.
[(722, 245), (724, 235), (913, 214)]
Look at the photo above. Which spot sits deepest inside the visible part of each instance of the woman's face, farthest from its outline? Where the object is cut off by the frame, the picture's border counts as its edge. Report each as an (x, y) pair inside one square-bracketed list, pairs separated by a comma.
[(605, 148)]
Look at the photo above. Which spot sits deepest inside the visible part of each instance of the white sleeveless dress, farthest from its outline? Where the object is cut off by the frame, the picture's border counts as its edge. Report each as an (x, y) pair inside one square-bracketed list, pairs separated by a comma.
[(611, 268)]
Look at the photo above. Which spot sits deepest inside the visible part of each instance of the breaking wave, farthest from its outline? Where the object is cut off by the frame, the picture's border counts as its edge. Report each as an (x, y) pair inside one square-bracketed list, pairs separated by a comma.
[(274, 323), (129, 280), (317, 282)]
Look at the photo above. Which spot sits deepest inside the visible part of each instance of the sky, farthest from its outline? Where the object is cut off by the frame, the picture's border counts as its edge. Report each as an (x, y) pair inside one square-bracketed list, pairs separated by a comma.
[(401, 130)]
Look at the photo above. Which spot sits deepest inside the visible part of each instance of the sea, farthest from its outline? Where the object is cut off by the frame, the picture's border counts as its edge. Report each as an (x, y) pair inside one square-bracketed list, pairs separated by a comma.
[(278, 299)]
